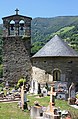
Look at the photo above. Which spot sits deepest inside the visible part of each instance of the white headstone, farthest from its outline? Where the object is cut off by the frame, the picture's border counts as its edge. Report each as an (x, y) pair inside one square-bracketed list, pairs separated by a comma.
[(72, 91)]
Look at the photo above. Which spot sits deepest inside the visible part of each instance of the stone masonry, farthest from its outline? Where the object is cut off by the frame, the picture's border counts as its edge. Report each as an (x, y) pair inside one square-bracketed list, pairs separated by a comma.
[(16, 59), (16, 47), (68, 67)]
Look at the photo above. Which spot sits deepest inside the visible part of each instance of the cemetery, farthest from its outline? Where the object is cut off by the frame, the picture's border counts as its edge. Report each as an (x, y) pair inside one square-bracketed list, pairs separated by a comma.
[(46, 106), (11, 110), (42, 86)]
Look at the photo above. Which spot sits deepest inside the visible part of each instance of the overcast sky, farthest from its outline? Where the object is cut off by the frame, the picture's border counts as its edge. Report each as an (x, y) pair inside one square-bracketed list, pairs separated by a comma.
[(39, 8)]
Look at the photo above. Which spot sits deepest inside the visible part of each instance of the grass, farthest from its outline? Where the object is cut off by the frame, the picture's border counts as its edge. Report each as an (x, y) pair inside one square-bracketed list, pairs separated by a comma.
[(11, 111), (64, 30)]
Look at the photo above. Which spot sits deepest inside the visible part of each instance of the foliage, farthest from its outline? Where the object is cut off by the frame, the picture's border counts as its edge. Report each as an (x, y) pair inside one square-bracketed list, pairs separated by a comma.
[(21, 81), (43, 29), (1, 71), (1, 84), (77, 96)]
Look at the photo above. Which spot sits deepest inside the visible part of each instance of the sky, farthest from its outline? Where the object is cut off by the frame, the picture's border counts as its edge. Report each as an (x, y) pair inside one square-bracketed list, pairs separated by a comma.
[(39, 8)]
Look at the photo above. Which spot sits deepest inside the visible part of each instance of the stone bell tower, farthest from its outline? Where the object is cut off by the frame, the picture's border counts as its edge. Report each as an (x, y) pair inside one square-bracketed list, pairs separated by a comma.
[(16, 47)]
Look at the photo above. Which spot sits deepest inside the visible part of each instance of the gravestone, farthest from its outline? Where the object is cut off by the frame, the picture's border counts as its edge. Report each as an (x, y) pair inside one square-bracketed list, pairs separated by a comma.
[(44, 92), (36, 111), (72, 95)]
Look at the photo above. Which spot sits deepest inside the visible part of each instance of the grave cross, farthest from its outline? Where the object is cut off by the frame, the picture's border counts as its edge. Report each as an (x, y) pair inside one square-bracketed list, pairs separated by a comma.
[(22, 97), (52, 98)]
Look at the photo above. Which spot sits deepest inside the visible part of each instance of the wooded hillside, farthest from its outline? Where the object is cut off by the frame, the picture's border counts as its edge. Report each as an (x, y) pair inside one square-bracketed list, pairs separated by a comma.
[(43, 29)]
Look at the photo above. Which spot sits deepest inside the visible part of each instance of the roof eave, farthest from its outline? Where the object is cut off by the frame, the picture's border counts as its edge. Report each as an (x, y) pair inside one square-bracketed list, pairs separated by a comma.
[(53, 56), (16, 15)]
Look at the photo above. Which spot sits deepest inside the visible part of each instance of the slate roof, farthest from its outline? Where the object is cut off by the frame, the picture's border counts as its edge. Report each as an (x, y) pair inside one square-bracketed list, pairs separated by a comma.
[(56, 47)]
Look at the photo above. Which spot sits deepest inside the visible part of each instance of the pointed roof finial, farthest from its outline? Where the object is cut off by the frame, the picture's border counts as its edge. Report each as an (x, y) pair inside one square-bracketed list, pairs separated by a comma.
[(17, 11)]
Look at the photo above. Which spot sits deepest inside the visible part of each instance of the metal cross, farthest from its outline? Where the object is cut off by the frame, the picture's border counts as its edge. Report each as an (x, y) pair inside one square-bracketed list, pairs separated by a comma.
[(17, 11)]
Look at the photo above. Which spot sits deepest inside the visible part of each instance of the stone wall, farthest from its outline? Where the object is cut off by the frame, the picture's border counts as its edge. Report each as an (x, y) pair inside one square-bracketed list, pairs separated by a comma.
[(40, 76), (16, 60), (68, 67)]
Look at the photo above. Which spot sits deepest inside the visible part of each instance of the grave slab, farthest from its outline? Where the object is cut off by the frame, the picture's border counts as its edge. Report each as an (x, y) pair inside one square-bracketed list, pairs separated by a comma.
[(50, 115)]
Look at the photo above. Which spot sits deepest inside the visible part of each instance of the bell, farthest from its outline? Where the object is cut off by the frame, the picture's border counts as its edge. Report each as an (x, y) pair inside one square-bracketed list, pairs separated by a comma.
[(21, 28), (12, 26), (21, 25)]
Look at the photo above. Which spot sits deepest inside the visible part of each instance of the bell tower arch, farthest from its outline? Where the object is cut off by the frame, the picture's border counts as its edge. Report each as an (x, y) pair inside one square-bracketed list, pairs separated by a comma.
[(16, 47)]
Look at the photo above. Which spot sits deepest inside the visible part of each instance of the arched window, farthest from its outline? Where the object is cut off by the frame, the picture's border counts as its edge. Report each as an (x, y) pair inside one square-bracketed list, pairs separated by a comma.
[(12, 28), (56, 75), (12, 22), (21, 28)]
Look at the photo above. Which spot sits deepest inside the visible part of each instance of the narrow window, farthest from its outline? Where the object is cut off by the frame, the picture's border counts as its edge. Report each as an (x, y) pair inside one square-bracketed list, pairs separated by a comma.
[(56, 75)]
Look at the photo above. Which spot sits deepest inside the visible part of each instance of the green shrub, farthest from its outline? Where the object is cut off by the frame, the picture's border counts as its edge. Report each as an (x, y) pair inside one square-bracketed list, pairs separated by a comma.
[(77, 96), (20, 82)]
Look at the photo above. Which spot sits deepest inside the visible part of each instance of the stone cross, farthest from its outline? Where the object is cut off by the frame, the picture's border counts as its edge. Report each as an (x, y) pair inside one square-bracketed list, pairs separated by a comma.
[(17, 11), (52, 98), (22, 97)]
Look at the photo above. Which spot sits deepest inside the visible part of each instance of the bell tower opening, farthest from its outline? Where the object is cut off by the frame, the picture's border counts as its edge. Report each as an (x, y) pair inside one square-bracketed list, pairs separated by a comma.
[(12, 28), (17, 25), (21, 28)]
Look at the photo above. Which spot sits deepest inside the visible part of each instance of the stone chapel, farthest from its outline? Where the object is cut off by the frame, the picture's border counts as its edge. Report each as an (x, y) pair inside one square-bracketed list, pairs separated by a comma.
[(56, 61), (16, 47)]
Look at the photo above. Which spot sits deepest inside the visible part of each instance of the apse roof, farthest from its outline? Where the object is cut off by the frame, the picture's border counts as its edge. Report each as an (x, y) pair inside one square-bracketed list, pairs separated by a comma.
[(56, 47)]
